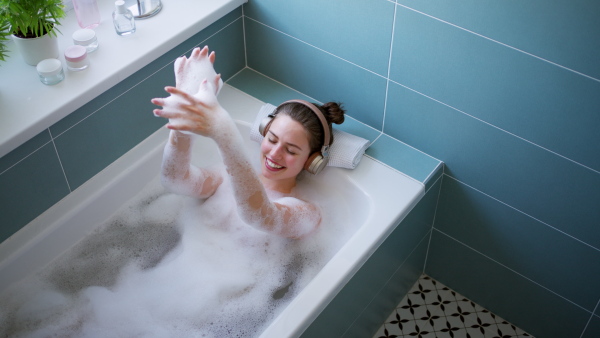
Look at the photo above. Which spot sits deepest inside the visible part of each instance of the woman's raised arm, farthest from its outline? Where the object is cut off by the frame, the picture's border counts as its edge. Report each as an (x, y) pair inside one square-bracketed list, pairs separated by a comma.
[(202, 114)]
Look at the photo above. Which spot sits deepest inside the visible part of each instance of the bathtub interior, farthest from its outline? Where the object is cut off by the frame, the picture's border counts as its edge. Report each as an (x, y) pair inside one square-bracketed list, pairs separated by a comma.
[(372, 199)]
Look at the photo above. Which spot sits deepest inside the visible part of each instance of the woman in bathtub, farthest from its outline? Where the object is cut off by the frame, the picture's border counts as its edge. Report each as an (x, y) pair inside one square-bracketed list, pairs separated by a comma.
[(294, 140)]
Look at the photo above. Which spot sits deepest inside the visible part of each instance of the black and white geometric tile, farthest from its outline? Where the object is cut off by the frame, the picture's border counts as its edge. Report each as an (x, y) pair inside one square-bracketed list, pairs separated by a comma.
[(430, 309)]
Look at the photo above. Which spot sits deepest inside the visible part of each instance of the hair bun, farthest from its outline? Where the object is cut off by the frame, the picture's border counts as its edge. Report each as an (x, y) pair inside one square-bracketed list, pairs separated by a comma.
[(334, 112)]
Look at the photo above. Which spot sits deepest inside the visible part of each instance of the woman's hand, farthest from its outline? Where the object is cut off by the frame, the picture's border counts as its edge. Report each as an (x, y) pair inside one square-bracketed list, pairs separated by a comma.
[(200, 113)]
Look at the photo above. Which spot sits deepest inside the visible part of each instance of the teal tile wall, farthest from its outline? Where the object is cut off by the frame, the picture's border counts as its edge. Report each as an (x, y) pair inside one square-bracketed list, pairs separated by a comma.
[(563, 32), (499, 288), (334, 26), (315, 73), (507, 95), (39, 173)]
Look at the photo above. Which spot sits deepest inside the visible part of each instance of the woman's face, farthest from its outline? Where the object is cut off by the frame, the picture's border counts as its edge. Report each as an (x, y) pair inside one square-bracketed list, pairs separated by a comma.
[(284, 150)]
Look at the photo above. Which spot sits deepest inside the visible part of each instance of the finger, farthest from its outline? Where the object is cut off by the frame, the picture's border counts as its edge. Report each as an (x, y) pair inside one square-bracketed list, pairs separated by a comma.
[(216, 82), (212, 57), (181, 93), (204, 51), (158, 101)]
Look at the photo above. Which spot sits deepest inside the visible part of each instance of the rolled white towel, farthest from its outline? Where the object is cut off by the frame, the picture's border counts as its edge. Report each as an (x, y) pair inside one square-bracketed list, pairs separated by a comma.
[(345, 152)]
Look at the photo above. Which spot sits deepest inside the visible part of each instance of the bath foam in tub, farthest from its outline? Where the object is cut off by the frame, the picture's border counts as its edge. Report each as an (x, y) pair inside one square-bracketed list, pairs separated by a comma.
[(168, 265)]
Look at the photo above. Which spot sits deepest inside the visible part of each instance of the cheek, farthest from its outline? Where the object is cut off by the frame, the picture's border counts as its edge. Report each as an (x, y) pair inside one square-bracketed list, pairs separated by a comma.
[(264, 147), (297, 161)]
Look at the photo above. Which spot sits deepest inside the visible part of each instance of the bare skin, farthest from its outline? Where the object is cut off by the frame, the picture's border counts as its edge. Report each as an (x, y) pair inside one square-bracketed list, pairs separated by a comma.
[(200, 113)]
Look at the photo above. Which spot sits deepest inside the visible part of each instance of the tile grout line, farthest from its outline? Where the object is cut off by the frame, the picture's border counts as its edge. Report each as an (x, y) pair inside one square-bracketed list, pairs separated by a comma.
[(440, 164), (590, 320), (26, 156), (514, 271), (60, 161), (502, 44), (244, 33), (526, 214), (387, 82), (437, 203)]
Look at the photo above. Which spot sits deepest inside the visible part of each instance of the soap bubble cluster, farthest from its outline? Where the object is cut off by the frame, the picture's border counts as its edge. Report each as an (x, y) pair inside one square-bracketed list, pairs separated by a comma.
[(170, 265)]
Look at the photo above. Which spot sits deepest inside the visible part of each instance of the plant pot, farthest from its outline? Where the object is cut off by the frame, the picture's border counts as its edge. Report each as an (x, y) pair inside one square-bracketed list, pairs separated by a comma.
[(34, 50)]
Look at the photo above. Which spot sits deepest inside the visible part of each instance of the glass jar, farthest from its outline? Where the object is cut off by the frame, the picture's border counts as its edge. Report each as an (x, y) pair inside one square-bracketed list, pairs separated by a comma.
[(76, 57), (86, 38), (50, 71)]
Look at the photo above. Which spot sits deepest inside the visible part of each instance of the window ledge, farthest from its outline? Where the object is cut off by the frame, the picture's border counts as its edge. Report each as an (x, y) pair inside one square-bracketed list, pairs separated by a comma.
[(27, 106)]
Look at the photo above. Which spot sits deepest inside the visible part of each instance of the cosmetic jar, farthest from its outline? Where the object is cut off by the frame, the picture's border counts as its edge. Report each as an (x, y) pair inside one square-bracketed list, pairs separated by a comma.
[(50, 71), (76, 57), (87, 38)]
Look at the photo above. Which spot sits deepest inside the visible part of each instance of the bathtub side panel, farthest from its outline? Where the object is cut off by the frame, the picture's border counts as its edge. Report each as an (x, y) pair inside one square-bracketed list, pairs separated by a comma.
[(365, 302)]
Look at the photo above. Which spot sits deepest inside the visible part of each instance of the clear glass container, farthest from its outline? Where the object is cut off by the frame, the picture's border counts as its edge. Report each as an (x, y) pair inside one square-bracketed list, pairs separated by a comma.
[(86, 38), (123, 19), (50, 71), (76, 57)]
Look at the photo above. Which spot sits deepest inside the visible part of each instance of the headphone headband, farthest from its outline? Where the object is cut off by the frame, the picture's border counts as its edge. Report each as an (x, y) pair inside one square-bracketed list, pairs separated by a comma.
[(317, 111)]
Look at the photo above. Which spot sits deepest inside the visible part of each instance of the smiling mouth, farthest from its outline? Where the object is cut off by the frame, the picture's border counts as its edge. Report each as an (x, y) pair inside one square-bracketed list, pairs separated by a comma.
[(272, 165)]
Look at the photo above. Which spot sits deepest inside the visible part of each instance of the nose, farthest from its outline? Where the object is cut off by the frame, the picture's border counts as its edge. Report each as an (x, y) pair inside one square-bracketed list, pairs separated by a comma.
[(276, 151)]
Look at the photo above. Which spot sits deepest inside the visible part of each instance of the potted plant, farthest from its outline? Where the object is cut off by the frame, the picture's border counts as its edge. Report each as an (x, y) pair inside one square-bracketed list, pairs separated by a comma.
[(4, 33), (33, 26)]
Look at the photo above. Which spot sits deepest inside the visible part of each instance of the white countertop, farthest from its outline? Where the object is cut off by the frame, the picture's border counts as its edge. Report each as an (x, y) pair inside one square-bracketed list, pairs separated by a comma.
[(27, 106)]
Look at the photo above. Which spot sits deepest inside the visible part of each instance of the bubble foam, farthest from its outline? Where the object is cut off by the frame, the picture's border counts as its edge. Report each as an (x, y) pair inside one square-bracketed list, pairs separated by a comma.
[(170, 265)]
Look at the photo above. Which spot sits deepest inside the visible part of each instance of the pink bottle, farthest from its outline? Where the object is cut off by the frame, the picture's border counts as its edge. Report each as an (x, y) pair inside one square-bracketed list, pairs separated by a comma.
[(88, 15)]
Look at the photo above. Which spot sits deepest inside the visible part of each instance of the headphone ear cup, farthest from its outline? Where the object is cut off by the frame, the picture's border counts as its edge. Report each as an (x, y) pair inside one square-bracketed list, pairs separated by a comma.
[(265, 124), (315, 163)]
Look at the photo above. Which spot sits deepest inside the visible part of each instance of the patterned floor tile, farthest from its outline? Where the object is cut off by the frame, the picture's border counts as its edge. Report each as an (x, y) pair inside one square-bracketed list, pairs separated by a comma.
[(430, 309)]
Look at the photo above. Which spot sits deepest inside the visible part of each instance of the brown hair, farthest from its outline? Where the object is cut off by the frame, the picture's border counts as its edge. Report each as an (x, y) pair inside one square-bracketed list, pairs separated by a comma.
[(333, 112)]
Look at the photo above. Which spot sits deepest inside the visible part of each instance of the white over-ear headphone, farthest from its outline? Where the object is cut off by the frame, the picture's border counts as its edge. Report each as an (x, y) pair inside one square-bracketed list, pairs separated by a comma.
[(317, 160)]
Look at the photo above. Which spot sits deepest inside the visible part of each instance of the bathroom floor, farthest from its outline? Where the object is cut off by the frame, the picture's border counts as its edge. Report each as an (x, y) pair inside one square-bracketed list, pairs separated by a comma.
[(430, 309)]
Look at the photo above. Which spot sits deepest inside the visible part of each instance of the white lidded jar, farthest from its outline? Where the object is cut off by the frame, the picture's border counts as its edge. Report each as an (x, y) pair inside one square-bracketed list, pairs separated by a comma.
[(87, 38), (76, 57), (50, 71), (123, 19)]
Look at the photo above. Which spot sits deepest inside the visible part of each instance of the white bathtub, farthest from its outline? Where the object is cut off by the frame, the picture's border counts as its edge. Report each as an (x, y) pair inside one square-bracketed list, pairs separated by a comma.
[(378, 198)]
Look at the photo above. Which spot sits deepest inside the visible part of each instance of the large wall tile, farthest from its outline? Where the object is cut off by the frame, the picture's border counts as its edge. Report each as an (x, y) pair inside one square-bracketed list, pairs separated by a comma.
[(510, 296), (315, 73), (29, 188), (543, 103), (593, 328), (100, 139), (356, 30), (521, 243), (535, 181), (24, 150), (563, 31)]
